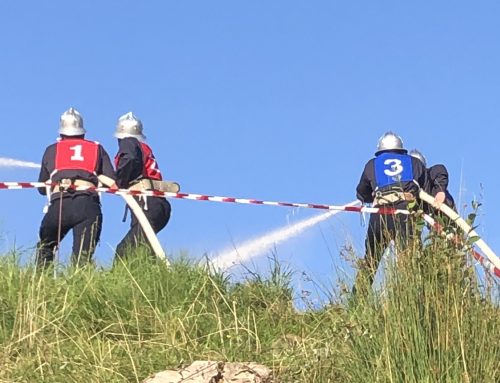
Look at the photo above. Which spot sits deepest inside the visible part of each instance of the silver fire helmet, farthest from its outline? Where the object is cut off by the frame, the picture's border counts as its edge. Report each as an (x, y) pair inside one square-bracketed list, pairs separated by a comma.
[(415, 153), (390, 141), (71, 123), (129, 126)]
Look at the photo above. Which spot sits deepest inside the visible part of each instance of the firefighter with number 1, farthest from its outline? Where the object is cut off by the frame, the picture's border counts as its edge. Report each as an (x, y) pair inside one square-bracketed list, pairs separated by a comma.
[(72, 162)]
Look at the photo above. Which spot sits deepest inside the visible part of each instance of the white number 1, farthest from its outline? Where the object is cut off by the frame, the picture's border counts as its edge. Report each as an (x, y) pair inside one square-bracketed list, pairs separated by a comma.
[(77, 153)]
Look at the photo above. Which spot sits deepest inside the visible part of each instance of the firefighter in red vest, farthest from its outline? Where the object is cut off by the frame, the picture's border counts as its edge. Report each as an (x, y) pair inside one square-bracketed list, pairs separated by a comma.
[(137, 169), (72, 162)]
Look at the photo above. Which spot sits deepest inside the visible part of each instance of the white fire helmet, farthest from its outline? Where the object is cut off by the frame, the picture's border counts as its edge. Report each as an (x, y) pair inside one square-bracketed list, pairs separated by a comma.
[(129, 126), (390, 141), (415, 153), (71, 123)]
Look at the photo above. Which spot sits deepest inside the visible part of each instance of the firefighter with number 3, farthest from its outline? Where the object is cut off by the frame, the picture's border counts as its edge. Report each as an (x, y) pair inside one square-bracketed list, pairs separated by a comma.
[(391, 179), (70, 163)]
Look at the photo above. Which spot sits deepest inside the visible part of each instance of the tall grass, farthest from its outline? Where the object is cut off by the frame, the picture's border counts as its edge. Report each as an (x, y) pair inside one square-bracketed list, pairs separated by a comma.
[(434, 322)]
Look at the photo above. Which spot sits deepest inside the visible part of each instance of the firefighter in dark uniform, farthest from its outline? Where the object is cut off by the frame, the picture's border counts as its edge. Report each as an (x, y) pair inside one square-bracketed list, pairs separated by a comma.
[(392, 179), (437, 182), (72, 162), (137, 169)]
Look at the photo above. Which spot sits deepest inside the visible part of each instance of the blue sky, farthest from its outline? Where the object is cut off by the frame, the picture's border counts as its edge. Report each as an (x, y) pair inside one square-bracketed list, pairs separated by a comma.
[(281, 100)]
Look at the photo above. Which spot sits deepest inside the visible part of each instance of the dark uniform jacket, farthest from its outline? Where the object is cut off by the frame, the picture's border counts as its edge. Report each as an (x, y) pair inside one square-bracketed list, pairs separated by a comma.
[(391, 171), (134, 161), (437, 181)]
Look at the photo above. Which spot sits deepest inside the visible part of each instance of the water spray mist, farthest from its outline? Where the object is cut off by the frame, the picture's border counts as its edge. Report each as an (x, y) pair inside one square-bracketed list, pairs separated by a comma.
[(258, 246)]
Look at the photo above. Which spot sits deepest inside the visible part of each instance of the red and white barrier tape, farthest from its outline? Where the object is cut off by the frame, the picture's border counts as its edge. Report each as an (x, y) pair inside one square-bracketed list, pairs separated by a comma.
[(486, 263), (202, 197), (22, 185)]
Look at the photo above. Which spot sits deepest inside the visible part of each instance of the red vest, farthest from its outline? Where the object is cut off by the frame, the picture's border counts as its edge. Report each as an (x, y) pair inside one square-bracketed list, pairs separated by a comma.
[(76, 154), (150, 169)]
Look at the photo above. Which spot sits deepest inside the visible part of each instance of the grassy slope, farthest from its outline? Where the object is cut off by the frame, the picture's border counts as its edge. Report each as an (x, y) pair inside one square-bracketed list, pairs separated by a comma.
[(430, 325)]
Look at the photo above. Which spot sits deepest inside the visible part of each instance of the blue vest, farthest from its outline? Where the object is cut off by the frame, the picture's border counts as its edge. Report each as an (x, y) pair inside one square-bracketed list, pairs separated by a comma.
[(393, 169)]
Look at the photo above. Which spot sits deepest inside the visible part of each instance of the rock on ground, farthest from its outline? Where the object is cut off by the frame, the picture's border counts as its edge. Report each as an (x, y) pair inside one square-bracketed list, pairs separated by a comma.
[(215, 372)]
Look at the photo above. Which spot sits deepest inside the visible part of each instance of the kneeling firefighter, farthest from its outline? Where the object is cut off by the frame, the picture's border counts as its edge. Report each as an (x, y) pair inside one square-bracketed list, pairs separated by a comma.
[(70, 163), (137, 169)]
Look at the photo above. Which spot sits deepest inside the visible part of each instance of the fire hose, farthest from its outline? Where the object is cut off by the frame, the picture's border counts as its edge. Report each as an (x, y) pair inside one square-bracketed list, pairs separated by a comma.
[(469, 232), (477, 256), (143, 220)]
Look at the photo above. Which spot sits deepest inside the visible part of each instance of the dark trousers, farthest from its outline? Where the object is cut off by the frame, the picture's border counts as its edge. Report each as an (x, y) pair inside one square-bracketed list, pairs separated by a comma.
[(381, 230), (79, 212), (158, 214)]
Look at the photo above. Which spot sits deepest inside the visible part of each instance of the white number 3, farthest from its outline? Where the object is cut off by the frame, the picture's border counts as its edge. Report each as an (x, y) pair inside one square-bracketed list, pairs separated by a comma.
[(395, 167), (77, 153)]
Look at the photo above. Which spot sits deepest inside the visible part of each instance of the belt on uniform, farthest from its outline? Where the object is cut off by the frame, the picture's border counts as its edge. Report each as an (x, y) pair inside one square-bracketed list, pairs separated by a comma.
[(393, 197), (65, 184)]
